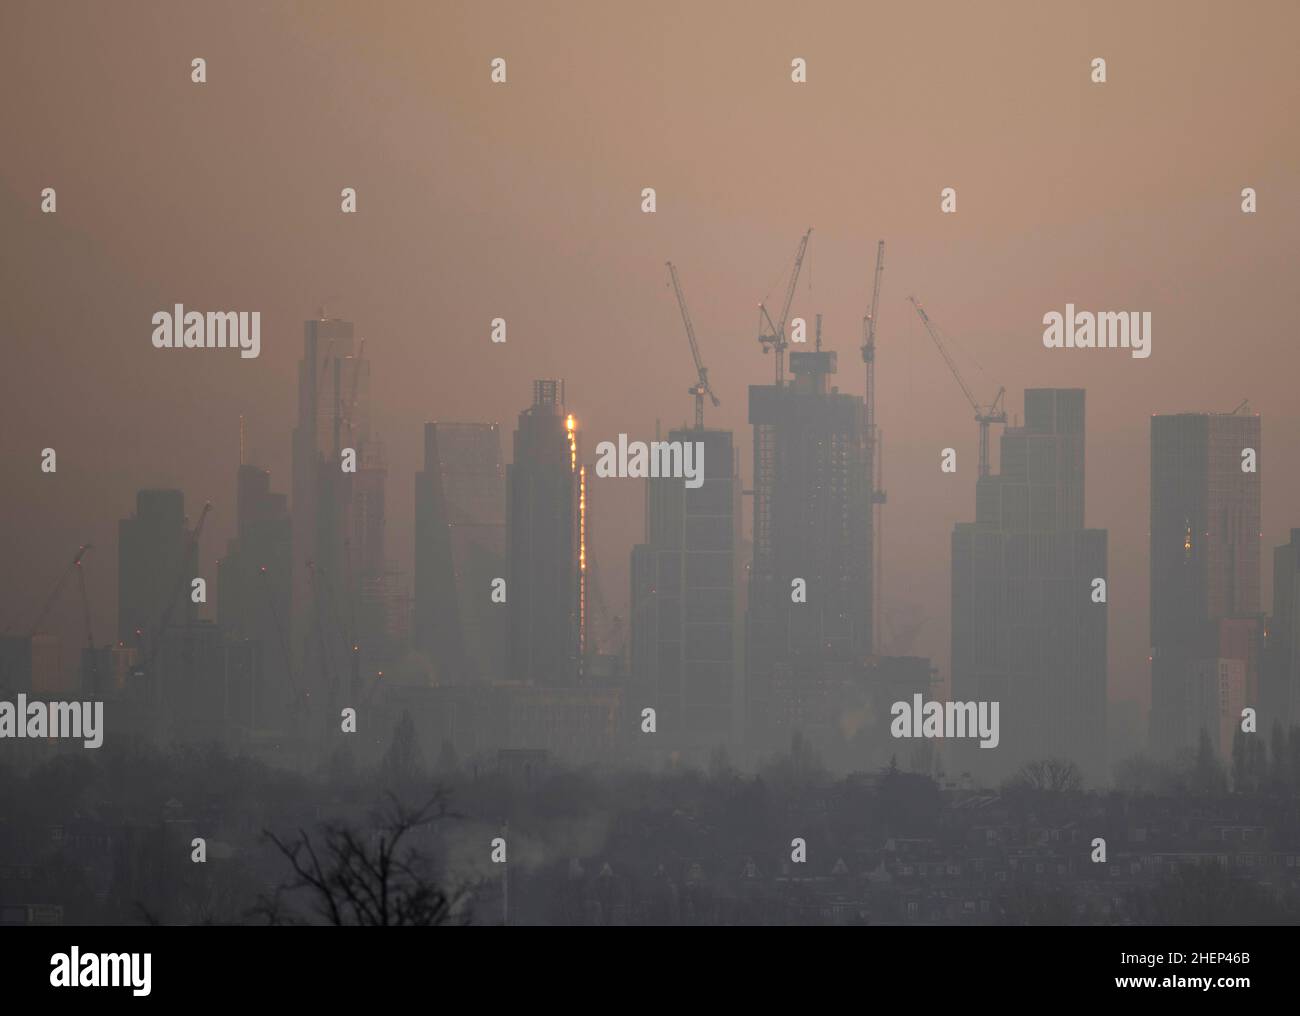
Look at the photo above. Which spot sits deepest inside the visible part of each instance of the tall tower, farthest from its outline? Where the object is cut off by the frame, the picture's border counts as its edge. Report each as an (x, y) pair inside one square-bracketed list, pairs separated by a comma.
[(460, 544), (253, 584), (812, 523), (1029, 625), (687, 630), (340, 602), (1205, 533), (546, 525), (1280, 697), (153, 550)]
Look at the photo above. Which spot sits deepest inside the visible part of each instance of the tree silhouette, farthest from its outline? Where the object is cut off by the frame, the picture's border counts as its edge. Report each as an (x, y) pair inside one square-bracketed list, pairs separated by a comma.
[(1054, 775), (360, 878)]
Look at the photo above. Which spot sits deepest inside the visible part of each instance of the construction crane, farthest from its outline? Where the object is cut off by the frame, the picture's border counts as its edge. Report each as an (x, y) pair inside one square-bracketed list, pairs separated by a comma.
[(701, 387), (75, 566), (874, 439), (869, 336), (178, 589), (994, 412), (774, 337)]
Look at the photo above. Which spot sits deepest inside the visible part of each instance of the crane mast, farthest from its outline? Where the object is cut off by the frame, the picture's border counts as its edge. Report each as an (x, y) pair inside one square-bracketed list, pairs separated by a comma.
[(701, 387), (874, 442), (994, 412), (869, 337), (774, 338)]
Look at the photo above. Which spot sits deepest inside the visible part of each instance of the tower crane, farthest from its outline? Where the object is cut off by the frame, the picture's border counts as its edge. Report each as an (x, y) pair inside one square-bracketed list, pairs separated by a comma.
[(74, 566), (774, 337), (874, 437), (869, 336), (701, 387), (994, 412)]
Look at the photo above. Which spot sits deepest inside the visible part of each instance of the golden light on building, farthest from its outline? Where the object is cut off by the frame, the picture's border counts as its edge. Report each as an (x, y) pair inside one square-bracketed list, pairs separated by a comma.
[(571, 425), (582, 560)]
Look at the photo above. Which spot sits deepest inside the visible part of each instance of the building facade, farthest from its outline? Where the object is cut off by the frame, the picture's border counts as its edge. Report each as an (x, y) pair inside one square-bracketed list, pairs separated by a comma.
[(1205, 546), (1029, 617), (687, 627), (546, 533), (810, 581), (460, 544)]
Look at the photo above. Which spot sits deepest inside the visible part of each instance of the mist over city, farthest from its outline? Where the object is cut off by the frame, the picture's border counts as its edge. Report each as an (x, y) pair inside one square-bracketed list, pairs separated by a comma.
[(700, 465)]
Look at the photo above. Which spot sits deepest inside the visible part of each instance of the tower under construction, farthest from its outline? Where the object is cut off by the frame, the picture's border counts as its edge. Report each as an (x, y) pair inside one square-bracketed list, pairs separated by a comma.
[(809, 617)]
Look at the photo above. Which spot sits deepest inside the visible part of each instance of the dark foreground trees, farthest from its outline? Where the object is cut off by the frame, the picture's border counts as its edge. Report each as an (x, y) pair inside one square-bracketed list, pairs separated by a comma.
[(351, 876)]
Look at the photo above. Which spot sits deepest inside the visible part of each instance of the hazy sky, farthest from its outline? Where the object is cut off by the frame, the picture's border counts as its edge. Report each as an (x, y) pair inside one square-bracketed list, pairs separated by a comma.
[(522, 201)]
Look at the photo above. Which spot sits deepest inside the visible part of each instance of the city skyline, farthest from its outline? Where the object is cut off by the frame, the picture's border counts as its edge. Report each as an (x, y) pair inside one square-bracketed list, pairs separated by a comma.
[(705, 464), (441, 245), (1063, 510)]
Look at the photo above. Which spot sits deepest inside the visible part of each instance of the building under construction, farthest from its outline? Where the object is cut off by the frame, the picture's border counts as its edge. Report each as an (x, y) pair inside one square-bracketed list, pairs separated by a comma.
[(346, 619), (810, 588)]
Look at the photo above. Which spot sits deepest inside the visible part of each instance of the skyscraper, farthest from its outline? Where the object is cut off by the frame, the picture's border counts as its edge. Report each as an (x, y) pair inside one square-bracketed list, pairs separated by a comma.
[(687, 631), (545, 522), (155, 559), (342, 588), (1280, 698), (1028, 614), (1205, 519), (810, 583), (460, 544), (253, 585)]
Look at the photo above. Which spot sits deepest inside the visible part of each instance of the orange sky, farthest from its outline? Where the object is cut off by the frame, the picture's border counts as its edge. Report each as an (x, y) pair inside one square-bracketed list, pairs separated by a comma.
[(522, 201)]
